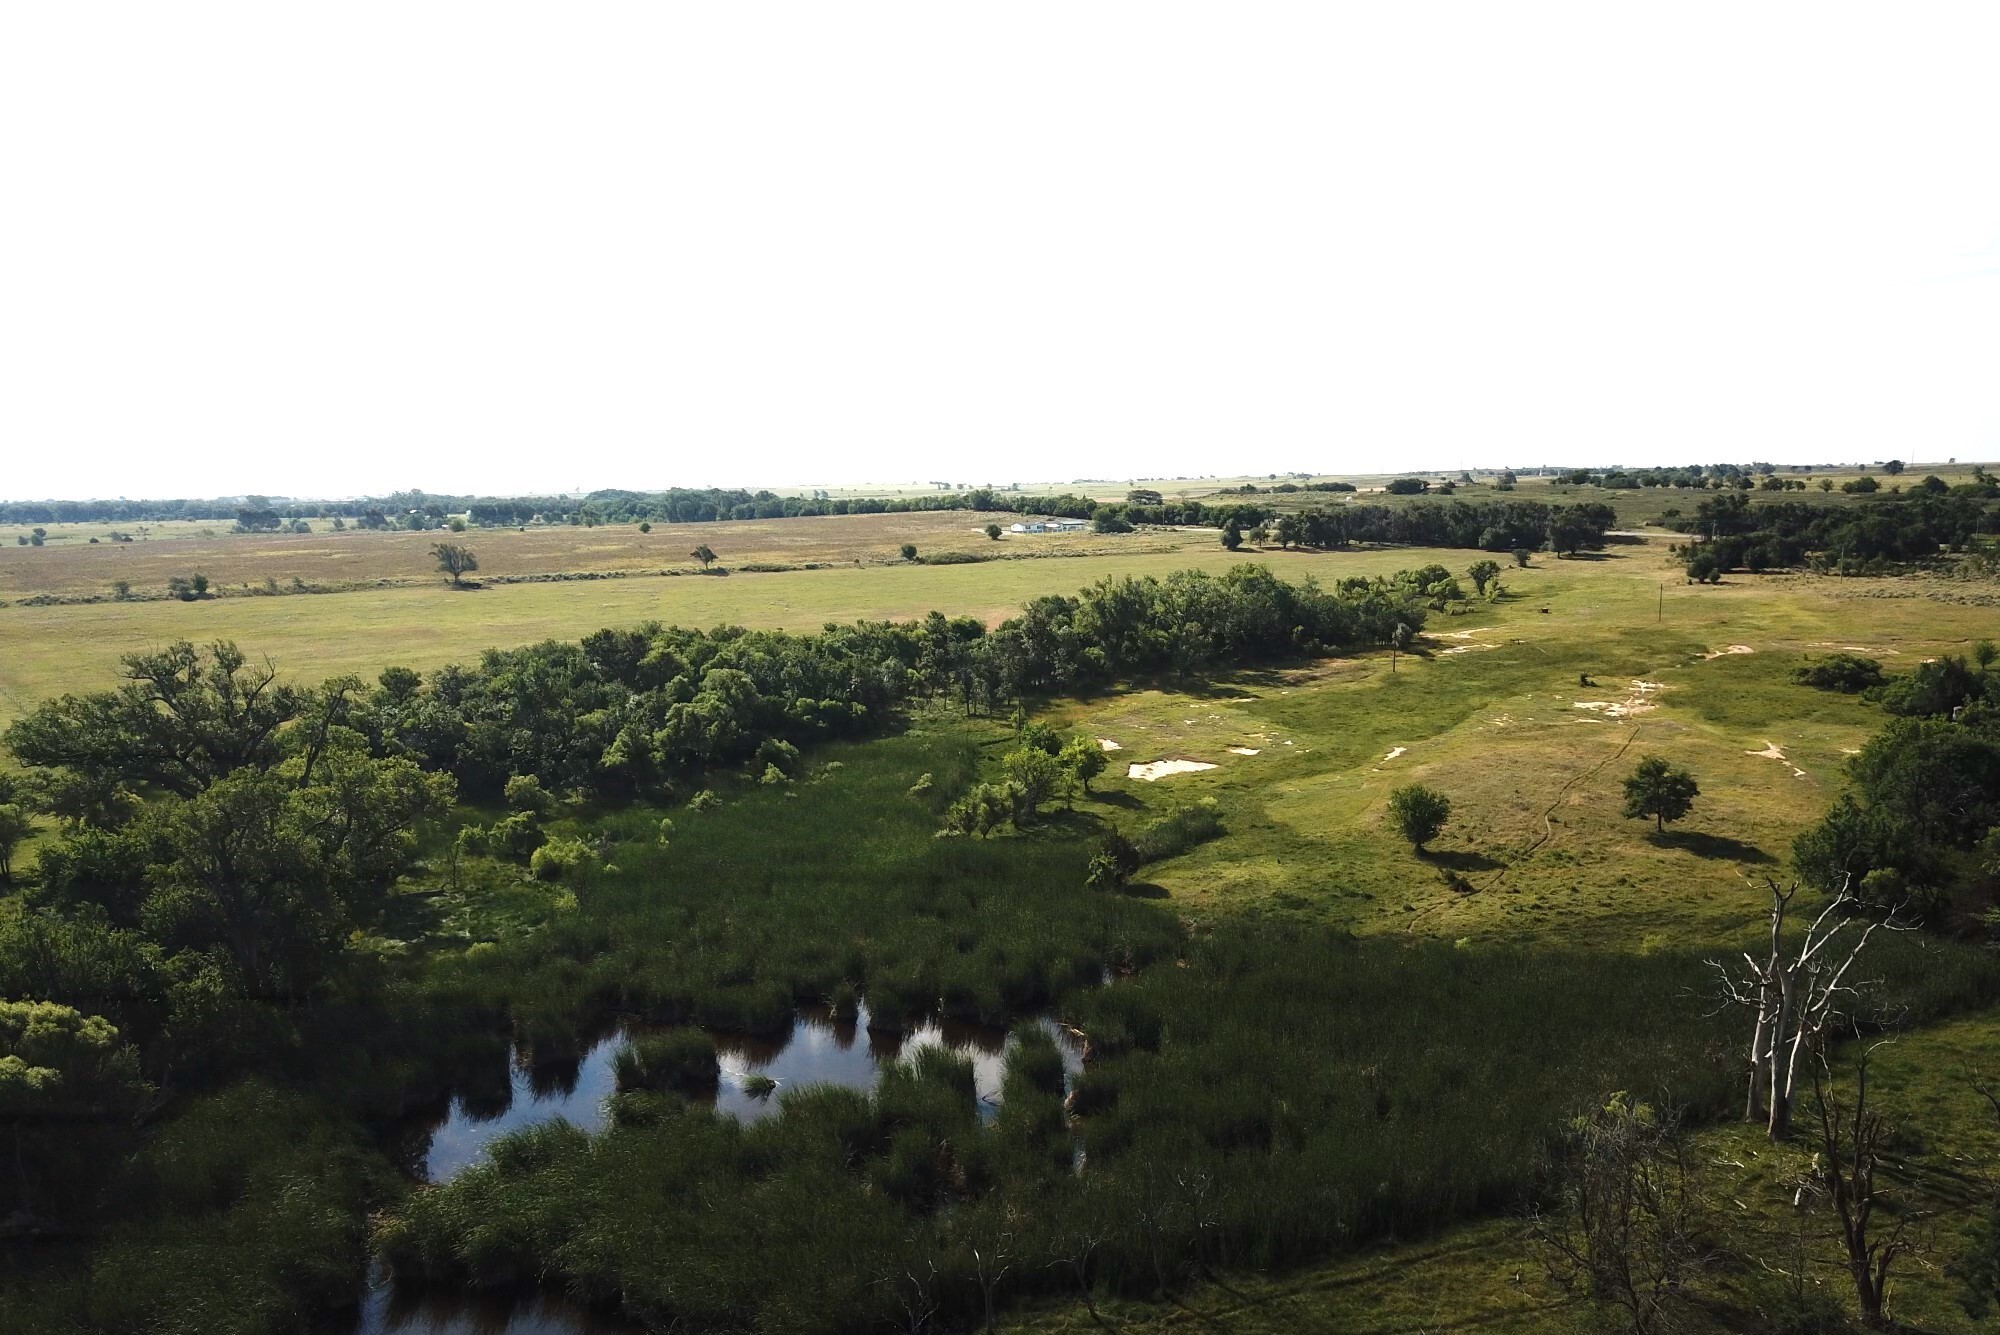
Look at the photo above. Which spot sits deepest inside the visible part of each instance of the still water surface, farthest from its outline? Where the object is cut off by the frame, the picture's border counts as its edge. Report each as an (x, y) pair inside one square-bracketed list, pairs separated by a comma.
[(815, 1051)]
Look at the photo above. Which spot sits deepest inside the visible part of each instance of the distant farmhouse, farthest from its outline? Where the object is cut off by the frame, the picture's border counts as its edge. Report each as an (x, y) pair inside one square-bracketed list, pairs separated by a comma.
[(1050, 526)]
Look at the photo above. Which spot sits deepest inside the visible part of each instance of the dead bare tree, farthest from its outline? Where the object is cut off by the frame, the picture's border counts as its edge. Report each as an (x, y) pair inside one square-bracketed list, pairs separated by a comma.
[(913, 1284), (1796, 993), (1848, 1139), (993, 1244), (1080, 1232), (1631, 1226)]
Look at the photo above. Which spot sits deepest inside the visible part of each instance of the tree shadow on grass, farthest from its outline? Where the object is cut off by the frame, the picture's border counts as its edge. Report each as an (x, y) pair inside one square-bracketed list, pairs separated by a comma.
[(1461, 860), (1146, 890), (1714, 846), (1104, 797)]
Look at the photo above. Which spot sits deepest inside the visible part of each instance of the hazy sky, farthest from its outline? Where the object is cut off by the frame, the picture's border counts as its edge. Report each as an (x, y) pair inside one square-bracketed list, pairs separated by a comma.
[(321, 250)]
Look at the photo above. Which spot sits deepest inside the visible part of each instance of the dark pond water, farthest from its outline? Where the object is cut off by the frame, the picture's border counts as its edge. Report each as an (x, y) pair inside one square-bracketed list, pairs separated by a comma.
[(815, 1051), (386, 1310)]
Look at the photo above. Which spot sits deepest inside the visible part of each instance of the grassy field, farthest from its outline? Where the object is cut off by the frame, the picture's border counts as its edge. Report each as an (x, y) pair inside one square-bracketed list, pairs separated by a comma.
[(69, 565), (1527, 712)]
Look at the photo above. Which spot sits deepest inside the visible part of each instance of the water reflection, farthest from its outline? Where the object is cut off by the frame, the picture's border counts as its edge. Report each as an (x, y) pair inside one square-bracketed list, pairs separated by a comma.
[(388, 1310), (817, 1050)]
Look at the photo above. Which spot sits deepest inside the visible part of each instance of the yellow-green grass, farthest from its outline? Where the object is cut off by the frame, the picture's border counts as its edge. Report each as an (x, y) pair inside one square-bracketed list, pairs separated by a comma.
[(1489, 714), (45, 651), (1490, 1276), (69, 565), (1483, 1277)]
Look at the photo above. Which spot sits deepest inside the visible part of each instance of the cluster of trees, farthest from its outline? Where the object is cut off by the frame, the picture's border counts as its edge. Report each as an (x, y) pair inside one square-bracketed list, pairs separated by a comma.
[(1918, 831), (1493, 526), (1045, 767), (222, 835), (1916, 526)]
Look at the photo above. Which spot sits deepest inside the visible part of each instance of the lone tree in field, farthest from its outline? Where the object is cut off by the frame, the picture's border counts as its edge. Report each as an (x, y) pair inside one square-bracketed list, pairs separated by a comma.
[(704, 555), (455, 561), (993, 532), (1659, 790), (1419, 813), (909, 551), (1232, 534), (1483, 573)]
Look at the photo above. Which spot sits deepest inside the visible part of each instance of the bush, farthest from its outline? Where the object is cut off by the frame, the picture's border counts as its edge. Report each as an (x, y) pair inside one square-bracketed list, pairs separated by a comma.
[(524, 792), (557, 858), (776, 751), (1176, 832), (516, 836), (1845, 673), (705, 800)]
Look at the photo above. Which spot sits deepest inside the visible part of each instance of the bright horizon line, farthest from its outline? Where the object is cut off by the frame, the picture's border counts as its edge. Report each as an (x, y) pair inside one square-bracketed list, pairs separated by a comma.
[(862, 490)]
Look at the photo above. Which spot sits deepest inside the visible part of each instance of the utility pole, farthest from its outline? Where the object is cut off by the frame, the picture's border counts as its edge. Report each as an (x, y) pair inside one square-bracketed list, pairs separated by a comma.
[(1663, 604)]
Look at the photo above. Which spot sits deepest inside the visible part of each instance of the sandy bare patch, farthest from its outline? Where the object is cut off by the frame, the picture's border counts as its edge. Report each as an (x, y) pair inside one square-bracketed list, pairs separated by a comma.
[(1243, 751), (1772, 751), (1107, 744), (1160, 769), (1637, 701), (1725, 652)]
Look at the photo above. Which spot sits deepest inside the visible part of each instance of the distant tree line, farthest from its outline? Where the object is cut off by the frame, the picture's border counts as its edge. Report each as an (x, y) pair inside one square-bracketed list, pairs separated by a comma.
[(1915, 526), (1493, 526)]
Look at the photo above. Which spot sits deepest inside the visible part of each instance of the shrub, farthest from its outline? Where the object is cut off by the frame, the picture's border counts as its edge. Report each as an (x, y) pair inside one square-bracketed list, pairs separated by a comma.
[(705, 800), (777, 752), (556, 858), (516, 836), (524, 792), (1176, 832), (1845, 673)]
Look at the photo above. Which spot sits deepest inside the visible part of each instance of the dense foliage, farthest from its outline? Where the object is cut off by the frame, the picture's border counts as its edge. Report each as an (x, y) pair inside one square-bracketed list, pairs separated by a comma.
[(1848, 540), (1919, 830)]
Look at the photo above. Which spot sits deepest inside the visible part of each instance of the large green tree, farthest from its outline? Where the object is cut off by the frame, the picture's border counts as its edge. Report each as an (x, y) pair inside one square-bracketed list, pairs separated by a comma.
[(185, 718), (1660, 790)]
